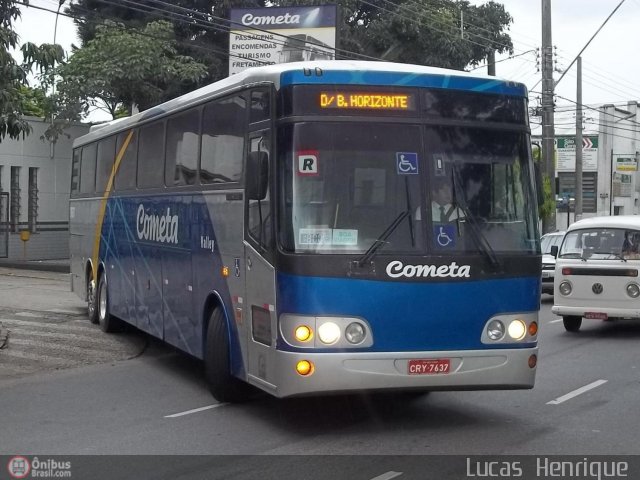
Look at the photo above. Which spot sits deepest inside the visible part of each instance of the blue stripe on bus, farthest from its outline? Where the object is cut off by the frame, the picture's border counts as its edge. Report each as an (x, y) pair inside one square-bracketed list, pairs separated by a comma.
[(411, 316), (406, 80)]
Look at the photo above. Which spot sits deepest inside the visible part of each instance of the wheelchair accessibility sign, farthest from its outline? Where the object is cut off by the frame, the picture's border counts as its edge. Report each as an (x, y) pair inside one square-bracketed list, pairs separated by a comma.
[(407, 163), (445, 235)]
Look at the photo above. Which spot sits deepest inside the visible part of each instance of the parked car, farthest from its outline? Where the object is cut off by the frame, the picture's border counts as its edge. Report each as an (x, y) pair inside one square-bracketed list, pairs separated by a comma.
[(549, 261), (597, 269)]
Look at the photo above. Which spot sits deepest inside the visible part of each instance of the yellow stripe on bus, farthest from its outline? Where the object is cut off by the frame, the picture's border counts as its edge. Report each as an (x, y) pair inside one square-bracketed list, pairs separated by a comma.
[(103, 205)]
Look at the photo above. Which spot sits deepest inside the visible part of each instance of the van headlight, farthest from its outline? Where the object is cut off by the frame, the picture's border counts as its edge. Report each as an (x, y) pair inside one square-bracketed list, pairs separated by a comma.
[(565, 288), (633, 290)]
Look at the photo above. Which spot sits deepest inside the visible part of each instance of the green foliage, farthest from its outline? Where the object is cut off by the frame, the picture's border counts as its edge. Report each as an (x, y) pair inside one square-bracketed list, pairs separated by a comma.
[(34, 101), (16, 99), (547, 205), (425, 32), (121, 66)]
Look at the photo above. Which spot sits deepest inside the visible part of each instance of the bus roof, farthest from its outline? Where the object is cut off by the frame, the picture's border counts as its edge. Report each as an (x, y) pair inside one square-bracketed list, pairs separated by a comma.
[(320, 72), (615, 221)]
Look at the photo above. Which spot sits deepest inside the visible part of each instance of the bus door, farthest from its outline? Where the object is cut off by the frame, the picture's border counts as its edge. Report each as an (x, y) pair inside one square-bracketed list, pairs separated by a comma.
[(260, 276)]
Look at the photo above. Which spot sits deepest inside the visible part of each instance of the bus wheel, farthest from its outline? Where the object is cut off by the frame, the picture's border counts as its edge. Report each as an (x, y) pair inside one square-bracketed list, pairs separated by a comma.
[(572, 323), (217, 363), (92, 300), (107, 322)]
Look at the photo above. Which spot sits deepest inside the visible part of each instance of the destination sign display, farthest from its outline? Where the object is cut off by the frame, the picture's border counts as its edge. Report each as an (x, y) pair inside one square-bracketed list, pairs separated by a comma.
[(367, 101)]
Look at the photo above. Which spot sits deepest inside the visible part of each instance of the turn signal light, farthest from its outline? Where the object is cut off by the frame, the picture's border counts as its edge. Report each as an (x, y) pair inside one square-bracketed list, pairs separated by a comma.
[(304, 368), (533, 329), (303, 333), (533, 361)]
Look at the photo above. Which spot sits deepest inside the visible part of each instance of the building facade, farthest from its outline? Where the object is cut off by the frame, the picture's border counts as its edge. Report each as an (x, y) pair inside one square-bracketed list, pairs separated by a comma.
[(610, 154), (34, 185)]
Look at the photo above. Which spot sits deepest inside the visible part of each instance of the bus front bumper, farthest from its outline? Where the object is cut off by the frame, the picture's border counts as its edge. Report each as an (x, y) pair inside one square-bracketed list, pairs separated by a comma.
[(350, 372)]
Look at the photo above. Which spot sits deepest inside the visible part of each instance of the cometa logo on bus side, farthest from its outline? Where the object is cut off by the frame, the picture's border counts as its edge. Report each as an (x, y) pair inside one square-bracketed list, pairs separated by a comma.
[(397, 269), (157, 228)]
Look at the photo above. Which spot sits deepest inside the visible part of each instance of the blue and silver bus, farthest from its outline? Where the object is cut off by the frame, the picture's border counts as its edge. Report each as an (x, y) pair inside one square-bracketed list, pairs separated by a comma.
[(282, 225)]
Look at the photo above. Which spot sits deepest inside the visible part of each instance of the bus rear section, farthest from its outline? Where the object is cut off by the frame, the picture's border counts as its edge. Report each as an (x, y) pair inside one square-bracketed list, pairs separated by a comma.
[(597, 269)]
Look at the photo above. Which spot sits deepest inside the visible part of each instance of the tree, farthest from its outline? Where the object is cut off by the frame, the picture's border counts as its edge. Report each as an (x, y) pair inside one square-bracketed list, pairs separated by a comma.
[(13, 76), (199, 26), (122, 67), (425, 32)]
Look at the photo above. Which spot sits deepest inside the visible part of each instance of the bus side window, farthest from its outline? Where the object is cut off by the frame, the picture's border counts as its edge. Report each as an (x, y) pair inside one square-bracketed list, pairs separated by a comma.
[(151, 156), (259, 216), (75, 171), (260, 106), (106, 155), (126, 174), (183, 132), (223, 127), (88, 169)]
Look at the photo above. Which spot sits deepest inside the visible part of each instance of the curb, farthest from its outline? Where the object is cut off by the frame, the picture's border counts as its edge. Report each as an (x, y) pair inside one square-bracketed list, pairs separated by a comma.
[(39, 266)]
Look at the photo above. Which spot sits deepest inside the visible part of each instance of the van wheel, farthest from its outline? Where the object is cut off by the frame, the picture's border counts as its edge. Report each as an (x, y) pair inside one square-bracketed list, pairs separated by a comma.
[(92, 299), (572, 323), (108, 323), (217, 363)]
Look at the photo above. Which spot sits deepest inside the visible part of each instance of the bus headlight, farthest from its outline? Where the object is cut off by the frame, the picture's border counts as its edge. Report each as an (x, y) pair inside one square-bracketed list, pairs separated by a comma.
[(329, 333), (495, 330), (355, 333), (517, 329), (565, 288), (633, 290)]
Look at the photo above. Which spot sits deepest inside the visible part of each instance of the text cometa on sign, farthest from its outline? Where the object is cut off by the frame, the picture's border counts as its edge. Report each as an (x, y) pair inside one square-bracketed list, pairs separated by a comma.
[(365, 100)]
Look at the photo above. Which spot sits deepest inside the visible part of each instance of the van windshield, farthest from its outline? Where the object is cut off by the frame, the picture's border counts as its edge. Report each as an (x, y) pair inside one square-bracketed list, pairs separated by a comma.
[(601, 244)]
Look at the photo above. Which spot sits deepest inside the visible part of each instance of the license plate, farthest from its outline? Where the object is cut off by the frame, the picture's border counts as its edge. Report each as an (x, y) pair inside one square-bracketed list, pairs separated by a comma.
[(596, 316), (546, 274), (429, 367)]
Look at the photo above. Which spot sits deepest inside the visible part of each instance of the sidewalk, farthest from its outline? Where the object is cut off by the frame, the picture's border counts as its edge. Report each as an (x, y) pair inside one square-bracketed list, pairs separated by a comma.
[(61, 266)]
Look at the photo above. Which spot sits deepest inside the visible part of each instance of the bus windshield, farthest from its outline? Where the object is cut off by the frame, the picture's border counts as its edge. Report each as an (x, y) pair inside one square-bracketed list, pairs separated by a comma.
[(346, 187)]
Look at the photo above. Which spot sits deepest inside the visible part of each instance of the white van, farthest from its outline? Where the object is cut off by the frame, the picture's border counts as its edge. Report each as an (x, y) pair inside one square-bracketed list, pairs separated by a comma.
[(596, 274)]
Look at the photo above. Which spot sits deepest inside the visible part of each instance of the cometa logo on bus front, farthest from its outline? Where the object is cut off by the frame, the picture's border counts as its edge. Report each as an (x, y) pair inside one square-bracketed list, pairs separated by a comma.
[(157, 228), (397, 269)]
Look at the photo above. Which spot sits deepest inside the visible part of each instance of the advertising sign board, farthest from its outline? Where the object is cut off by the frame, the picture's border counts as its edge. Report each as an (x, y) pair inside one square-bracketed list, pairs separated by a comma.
[(265, 36), (566, 154)]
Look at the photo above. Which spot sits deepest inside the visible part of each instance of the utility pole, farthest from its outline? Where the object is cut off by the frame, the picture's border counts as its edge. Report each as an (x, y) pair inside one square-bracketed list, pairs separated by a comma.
[(491, 62), (548, 131), (578, 191)]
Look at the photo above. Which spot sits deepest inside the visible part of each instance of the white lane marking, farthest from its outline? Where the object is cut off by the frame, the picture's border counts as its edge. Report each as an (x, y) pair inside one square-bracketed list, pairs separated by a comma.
[(387, 476), (556, 320), (577, 392), (195, 410)]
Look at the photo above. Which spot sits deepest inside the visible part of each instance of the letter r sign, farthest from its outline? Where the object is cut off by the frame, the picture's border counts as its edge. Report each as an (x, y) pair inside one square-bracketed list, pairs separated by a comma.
[(307, 162)]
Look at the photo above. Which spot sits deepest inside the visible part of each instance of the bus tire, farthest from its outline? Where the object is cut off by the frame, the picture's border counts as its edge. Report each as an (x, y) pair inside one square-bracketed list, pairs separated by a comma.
[(92, 299), (572, 323), (217, 363), (108, 323)]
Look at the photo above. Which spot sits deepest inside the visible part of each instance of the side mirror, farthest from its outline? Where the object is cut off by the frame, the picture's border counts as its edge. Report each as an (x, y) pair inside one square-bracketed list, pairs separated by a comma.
[(257, 175), (554, 251)]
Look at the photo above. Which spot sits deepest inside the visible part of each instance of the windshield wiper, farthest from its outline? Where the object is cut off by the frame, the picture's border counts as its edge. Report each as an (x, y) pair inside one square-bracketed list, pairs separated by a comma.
[(480, 240), (617, 255), (381, 240)]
